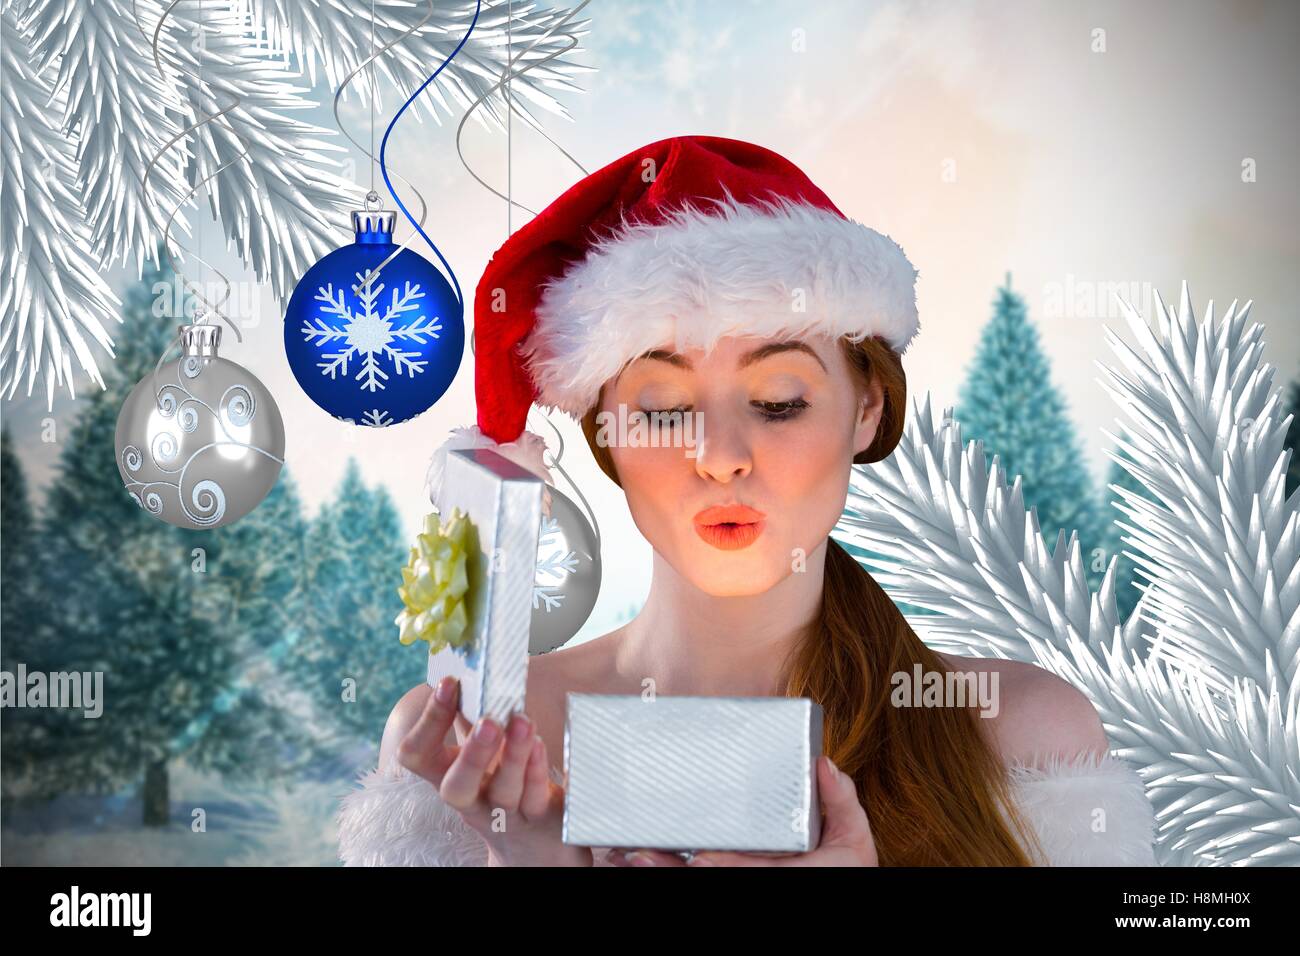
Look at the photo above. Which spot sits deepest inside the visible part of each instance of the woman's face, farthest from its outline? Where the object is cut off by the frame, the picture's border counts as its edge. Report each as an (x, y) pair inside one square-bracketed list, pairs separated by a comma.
[(769, 425)]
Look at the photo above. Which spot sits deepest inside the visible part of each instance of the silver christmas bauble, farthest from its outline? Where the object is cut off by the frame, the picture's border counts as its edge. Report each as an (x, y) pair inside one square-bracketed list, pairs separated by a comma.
[(200, 442), (567, 581)]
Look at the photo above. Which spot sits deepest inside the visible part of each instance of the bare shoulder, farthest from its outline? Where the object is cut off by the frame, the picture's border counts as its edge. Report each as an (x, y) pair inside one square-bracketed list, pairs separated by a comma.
[(1039, 715)]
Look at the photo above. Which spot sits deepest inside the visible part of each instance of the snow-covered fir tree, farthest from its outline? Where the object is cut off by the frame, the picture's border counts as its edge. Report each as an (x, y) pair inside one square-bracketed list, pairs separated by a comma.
[(146, 603), (1009, 402), (347, 656)]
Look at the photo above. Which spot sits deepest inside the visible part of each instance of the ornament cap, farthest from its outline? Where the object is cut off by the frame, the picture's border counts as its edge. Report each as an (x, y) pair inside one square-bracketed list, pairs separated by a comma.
[(374, 225), (202, 339)]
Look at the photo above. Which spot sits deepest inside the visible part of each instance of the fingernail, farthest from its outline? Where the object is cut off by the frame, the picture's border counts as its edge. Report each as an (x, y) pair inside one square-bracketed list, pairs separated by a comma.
[(835, 771), (640, 859), (520, 727), (700, 861), (446, 690), (486, 730)]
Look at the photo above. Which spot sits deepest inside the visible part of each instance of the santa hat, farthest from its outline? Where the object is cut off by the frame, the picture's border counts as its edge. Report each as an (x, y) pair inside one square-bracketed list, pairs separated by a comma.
[(678, 244)]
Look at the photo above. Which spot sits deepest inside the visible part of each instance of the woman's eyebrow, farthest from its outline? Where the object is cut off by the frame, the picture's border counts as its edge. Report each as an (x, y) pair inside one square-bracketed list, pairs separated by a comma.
[(760, 353), (662, 355), (773, 348)]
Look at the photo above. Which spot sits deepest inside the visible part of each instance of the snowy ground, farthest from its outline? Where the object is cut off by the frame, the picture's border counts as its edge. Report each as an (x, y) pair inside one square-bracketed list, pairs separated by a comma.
[(245, 826)]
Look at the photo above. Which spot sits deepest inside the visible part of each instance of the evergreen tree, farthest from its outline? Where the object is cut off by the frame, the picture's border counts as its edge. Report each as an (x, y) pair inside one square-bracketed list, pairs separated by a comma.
[(18, 575), (16, 542), (350, 656), (1009, 402), (173, 618)]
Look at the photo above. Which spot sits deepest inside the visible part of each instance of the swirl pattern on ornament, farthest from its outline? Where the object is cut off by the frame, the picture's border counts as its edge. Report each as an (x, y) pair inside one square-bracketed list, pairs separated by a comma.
[(236, 409)]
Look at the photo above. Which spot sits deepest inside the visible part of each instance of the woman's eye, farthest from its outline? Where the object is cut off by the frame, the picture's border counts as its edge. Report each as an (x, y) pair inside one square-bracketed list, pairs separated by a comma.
[(780, 411), (668, 417)]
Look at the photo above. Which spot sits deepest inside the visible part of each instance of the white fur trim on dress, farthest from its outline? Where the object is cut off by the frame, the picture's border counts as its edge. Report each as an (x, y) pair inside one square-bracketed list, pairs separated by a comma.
[(1084, 813), (526, 451), (773, 268), (396, 818), (1087, 812)]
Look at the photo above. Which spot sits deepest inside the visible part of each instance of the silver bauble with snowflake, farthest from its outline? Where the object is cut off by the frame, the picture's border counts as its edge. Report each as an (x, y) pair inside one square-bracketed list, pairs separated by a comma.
[(567, 581), (200, 441)]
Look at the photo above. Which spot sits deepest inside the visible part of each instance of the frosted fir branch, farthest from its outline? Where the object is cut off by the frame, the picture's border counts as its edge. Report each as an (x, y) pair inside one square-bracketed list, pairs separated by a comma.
[(54, 302), (1205, 432), (282, 204), (1220, 757), (1220, 771), (952, 538), (118, 111), (334, 37)]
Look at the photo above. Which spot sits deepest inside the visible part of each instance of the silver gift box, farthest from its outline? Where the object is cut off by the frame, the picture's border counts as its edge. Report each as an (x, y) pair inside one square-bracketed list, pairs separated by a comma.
[(692, 773), (504, 502)]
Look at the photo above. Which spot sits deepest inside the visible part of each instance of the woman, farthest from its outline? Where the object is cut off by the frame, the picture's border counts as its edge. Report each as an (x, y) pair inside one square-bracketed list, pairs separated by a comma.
[(706, 286)]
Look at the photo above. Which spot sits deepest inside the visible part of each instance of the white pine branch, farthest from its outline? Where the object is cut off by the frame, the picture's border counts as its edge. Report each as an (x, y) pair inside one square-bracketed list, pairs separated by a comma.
[(954, 539), (1206, 434), (54, 302), (1210, 717), (280, 204), (334, 35), (117, 112)]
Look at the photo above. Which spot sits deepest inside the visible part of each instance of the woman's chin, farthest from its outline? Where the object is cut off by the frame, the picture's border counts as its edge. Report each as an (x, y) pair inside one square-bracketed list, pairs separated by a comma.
[(741, 573)]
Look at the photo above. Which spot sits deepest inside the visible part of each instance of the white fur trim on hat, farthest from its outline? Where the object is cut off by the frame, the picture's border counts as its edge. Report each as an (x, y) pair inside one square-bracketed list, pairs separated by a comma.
[(773, 268), (526, 451)]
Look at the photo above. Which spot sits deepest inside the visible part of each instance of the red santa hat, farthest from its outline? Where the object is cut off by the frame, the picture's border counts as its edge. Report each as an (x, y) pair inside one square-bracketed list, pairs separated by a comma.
[(677, 244)]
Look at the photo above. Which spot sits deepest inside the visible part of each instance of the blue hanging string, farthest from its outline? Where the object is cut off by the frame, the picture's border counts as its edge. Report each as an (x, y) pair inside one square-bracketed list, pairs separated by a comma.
[(383, 148)]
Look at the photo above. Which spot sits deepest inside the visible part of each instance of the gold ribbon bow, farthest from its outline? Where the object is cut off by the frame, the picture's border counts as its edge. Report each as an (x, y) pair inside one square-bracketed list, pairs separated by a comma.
[(435, 584)]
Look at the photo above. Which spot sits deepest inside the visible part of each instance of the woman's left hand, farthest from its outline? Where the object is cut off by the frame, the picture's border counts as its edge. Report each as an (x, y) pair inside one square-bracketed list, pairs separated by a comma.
[(845, 841)]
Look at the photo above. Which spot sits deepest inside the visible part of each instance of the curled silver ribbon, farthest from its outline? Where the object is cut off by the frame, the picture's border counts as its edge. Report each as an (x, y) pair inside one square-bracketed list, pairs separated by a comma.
[(372, 196), (203, 120)]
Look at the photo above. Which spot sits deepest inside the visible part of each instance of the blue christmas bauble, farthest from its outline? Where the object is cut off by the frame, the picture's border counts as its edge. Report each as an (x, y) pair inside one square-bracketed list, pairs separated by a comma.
[(374, 348)]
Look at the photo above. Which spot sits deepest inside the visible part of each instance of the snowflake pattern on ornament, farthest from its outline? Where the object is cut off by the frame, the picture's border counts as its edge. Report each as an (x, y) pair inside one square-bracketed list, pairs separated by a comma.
[(373, 335), (554, 564)]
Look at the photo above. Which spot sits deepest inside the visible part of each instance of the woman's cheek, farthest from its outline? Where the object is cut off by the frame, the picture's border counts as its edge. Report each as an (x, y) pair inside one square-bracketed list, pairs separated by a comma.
[(650, 478), (811, 479)]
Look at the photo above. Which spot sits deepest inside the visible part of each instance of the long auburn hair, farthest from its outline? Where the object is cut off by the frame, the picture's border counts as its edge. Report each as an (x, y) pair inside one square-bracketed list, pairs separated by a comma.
[(934, 789)]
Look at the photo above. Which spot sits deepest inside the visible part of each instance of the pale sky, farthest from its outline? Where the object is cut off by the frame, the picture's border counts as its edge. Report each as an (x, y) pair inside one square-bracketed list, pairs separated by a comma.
[(985, 138)]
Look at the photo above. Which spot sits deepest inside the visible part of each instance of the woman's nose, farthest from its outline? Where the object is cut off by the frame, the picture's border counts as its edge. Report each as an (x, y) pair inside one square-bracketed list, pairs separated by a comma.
[(722, 453)]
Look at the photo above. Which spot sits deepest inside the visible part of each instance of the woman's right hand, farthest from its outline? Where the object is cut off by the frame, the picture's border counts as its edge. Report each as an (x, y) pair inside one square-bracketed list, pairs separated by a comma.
[(511, 801)]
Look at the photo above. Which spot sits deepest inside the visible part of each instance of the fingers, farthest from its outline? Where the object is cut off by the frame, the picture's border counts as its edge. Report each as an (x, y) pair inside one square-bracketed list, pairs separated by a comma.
[(463, 727), (462, 785), (423, 750), (507, 784), (844, 821), (536, 799)]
